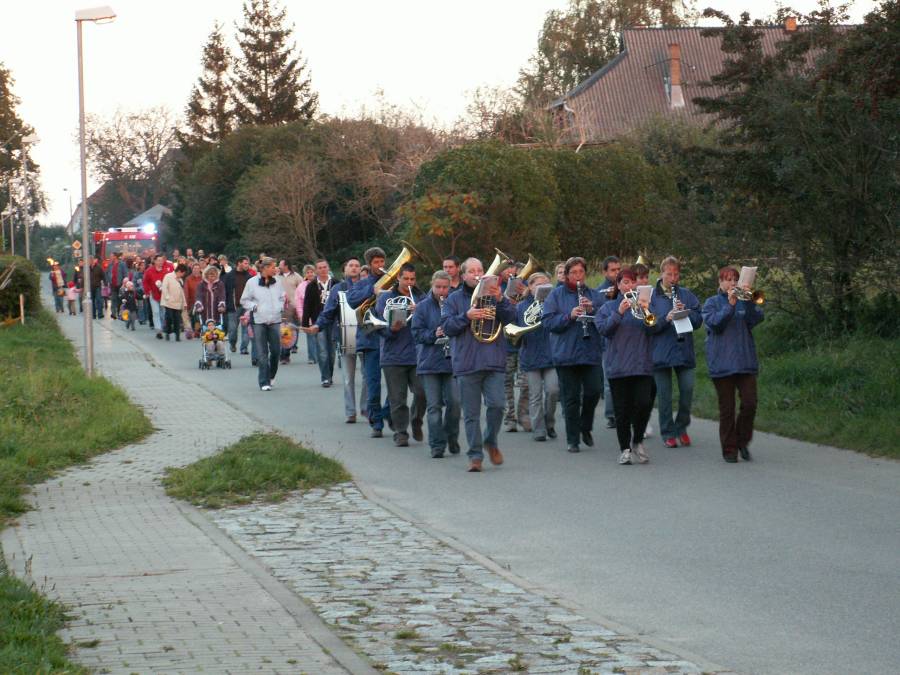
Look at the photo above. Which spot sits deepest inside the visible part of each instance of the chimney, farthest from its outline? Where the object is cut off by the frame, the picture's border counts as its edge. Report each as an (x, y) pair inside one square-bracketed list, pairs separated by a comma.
[(790, 24), (676, 97)]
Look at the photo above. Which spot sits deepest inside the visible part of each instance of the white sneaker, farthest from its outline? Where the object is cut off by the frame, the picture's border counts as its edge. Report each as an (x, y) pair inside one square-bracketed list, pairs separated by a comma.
[(641, 453), (266, 387), (648, 433), (625, 457)]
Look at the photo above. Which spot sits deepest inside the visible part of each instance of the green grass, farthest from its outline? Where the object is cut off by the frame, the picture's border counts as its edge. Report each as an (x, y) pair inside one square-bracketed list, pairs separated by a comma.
[(844, 392), (51, 414), (28, 625), (262, 466)]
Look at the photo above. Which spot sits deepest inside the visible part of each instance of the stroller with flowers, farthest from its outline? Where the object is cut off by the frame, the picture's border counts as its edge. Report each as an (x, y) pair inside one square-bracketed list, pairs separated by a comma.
[(210, 307), (213, 340)]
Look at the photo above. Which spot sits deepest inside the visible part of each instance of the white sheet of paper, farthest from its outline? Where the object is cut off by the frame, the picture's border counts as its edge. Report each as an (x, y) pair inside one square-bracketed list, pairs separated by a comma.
[(644, 292), (748, 277), (683, 325)]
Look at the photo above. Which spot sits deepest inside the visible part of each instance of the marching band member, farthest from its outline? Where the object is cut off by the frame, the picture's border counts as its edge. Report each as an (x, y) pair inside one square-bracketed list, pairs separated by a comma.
[(327, 319), (642, 278), (536, 362), (611, 267), (478, 366), (673, 352), (731, 356), (398, 358), (435, 370), (575, 349), (514, 414), (450, 264), (370, 344), (629, 367)]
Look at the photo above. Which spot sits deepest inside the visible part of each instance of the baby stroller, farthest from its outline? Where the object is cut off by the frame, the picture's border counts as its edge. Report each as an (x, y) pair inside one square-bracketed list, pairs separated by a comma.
[(212, 343)]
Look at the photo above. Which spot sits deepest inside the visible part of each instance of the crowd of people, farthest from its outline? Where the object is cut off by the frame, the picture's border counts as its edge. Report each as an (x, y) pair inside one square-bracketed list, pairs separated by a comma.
[(447, 355)]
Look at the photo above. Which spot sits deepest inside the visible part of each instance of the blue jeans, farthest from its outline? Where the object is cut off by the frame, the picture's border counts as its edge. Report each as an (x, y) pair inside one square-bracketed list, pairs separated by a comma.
[(97, 303), (325, 352), (312, 348), (487, 383), (267, 338), (142, 310), (58, 302), (157, 315), (442, 397), (669, 428)]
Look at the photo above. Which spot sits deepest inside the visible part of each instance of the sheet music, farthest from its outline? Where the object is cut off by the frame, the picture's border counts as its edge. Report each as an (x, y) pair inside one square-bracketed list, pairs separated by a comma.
[(486, 285), (748, 277), (644, 292)]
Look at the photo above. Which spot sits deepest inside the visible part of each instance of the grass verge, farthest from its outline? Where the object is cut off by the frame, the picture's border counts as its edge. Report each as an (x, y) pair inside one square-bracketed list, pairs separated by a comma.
[(844, 393), (262, 466), (51, 414)]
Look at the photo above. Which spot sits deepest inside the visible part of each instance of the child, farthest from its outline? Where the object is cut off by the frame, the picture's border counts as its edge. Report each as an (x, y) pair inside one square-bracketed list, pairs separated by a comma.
[(128, 310), (214, 340), (72, 297)]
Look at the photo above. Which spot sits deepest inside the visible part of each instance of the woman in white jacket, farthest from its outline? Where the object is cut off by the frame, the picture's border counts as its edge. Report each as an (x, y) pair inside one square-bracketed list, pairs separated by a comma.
[(172, 299)]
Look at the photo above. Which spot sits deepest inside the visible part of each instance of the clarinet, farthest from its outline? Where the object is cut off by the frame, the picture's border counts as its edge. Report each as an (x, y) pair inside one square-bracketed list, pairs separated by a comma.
[(680, 336), (584, 318), (444, 341)]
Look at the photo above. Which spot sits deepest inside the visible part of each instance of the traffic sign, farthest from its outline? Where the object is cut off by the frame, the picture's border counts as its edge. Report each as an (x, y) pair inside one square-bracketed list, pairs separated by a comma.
[(76, 253), (76, 244)]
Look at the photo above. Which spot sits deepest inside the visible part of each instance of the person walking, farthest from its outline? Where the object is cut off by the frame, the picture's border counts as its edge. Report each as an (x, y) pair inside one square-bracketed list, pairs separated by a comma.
[(191, 282), (290, 280), (611, 267), (315, 297), (153, 279), (733, 364), (97, 279), (479, 366), (58, 284), (209, 299), (435, 369), (263, 300), (312, 340), (235, 281), (116, 273), (172, 300)]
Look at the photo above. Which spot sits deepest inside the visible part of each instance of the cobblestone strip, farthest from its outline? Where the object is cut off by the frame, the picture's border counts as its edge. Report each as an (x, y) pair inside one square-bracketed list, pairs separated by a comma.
[(414, 604), (149, 592)]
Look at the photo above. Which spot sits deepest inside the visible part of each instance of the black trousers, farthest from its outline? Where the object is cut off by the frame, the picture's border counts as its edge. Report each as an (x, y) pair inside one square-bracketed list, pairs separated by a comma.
[(173, 321), (580, 388), (736, 432), (633, 402)]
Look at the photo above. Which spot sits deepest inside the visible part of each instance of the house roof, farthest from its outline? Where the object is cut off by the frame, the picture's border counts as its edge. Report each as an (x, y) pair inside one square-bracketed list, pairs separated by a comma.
[(152, 216), (632, 88)]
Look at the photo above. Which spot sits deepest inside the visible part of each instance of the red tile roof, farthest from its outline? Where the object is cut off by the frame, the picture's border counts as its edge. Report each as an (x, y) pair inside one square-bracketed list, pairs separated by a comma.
[(632, 88)]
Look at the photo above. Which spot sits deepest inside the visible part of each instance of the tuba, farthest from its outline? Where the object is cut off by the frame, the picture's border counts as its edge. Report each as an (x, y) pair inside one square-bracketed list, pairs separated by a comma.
[(386, 281), (532, 317)]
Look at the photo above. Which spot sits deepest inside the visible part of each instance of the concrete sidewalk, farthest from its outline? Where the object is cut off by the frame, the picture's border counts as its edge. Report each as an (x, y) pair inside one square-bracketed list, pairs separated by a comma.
[(152, 585)]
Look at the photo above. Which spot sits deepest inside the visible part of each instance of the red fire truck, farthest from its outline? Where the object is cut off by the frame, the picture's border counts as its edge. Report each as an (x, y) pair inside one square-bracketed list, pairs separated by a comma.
[(128, 241)]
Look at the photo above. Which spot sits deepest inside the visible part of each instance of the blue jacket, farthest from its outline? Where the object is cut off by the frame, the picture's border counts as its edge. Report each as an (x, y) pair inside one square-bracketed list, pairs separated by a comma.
[(730, 349), (469, 355), (363, 289), (430, 359), (331, 313), (397, 348), (121, 276), (668, 352), (628, 352), (534, 347), (567, 344)]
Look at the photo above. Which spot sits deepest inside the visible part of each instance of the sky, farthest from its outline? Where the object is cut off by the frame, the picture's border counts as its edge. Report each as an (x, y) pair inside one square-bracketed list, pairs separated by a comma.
[(422, 54)]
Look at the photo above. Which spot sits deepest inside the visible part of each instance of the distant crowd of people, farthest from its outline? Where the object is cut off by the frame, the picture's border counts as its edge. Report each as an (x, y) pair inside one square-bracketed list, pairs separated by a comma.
[(450, 347)]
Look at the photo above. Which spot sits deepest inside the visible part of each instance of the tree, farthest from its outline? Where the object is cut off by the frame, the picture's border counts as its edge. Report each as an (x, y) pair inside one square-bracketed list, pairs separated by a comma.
[(282, 206), (133, 154), (271, 81), (210, 109), (575, 42)]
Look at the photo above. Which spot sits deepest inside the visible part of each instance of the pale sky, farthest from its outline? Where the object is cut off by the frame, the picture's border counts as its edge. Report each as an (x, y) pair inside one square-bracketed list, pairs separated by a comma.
[(421, 53)]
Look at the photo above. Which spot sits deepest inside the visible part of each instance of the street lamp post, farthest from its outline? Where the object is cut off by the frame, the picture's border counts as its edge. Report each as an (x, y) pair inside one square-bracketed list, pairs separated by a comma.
[(95, 15)]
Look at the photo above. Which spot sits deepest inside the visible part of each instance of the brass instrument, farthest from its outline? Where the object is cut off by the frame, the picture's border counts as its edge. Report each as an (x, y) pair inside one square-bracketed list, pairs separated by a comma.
[(530, 267), (638, 312), (386, 280), (395, 309), (533, 315), (757, 297), (501, 261), (641, 260), (486, 329), (585, 319)]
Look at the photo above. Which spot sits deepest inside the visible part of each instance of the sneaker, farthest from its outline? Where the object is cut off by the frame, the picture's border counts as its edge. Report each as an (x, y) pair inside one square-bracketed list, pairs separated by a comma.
[(377, 433), (573, 448), (648, 432), (625, 457), (551, 433), (266, 387), (685, 439), (401, 440), (243, 351), (640, 452), (494, 455), (326, 383), (510, 427), (540, 438), (351, 419), (610, 422), (745, 454), (437, 454), (670, 443)]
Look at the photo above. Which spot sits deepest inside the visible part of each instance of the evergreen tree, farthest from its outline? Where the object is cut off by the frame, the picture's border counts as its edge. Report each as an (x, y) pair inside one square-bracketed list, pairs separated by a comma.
[(210, 109), (271, 82)]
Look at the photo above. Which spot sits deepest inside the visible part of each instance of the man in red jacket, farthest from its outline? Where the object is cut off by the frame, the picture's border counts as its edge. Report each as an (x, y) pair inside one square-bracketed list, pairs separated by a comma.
[(153, 288)]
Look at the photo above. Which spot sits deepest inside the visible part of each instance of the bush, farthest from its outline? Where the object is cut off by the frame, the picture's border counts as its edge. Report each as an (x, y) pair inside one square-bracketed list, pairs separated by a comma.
[(25, 281)]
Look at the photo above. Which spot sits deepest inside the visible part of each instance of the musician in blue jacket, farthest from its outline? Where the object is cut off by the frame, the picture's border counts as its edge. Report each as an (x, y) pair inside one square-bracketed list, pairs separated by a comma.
[(370, 343), (478, 366), (576, 351), (331, 316), (435, 369), (537, 364), (733, 366), (673, 353), (629, 367)]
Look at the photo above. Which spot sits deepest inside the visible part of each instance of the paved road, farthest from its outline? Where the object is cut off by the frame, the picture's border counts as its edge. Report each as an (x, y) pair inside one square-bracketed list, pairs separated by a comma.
[(790, 563)]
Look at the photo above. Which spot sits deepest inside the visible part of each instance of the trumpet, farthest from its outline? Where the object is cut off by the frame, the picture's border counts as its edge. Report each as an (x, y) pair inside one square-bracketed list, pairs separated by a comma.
[(639, 312), (757, 297)]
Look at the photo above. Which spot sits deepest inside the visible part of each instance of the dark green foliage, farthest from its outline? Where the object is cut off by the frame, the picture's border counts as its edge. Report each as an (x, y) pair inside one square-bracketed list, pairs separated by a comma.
[(210, 109), (260, 466), (24, 281)]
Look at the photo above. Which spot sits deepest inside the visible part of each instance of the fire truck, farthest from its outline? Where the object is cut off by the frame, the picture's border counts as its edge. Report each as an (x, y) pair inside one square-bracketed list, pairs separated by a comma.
[(130, 242)]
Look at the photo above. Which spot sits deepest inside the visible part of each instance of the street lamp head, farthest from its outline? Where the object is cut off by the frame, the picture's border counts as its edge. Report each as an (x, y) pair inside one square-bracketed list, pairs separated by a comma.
[(103, 14)]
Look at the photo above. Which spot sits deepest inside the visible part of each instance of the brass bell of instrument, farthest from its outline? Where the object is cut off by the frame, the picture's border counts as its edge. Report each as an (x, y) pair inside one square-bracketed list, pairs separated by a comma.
[(386, 280)]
